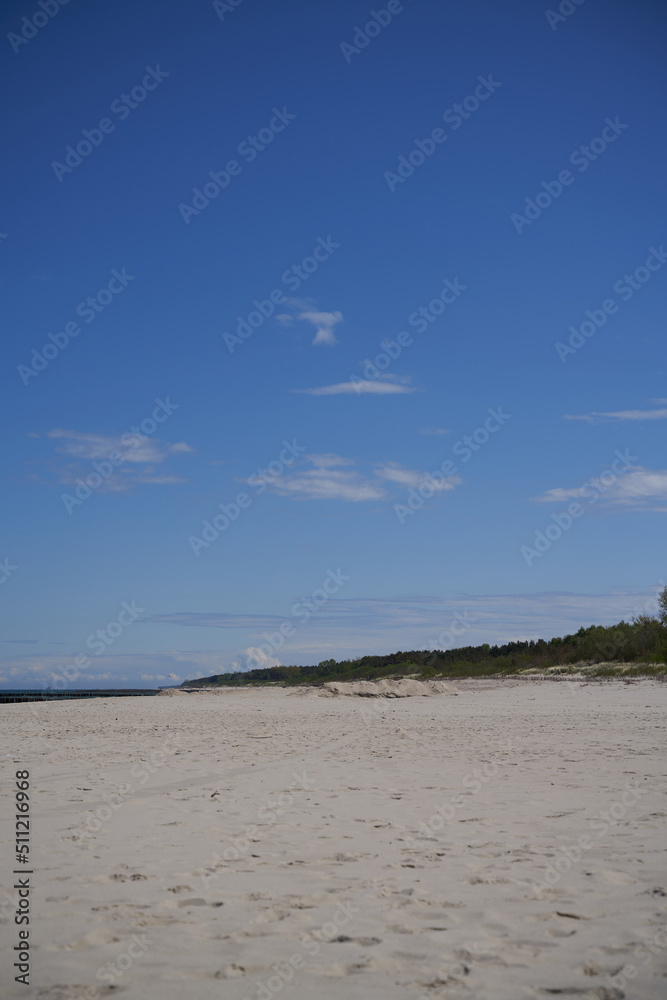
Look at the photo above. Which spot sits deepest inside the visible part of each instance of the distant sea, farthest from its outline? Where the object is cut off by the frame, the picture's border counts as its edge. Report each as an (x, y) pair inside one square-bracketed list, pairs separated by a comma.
[(41, 694)]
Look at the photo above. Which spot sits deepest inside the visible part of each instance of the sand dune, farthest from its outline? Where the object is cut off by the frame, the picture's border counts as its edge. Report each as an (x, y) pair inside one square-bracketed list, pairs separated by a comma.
[(507, 843), (406, 687)]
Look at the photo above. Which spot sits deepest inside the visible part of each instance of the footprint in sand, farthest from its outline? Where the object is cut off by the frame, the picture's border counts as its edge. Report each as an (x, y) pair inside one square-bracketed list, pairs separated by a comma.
[(363, 942), (230, 972)]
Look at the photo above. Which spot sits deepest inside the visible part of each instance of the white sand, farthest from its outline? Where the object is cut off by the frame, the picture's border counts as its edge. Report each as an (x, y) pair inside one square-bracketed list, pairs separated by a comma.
[(404, 688), (343, 862)]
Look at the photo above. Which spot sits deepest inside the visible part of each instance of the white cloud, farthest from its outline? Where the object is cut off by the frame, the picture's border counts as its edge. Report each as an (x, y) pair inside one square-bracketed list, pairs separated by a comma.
[(618, 415), (325, 482), (637, 489), (396, 473), (434, 430), (388, 385), (329, 459), (324, 323), (137, 456), (328, 481), (138, 449), (302, 304), (253, 658), (132, 669)]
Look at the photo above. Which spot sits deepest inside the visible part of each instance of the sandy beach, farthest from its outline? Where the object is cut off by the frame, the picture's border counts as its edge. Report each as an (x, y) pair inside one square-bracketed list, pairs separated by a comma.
[(499, 840)]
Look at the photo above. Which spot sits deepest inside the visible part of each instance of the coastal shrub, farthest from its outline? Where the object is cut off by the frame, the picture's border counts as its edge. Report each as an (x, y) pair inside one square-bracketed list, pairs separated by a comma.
[(642, 640)]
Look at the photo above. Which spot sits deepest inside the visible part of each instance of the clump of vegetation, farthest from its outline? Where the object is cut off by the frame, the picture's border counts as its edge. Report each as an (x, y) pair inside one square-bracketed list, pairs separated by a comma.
[(629, 649)]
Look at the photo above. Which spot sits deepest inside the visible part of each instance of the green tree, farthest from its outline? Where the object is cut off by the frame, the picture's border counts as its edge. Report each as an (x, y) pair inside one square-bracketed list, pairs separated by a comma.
[(662, 602)]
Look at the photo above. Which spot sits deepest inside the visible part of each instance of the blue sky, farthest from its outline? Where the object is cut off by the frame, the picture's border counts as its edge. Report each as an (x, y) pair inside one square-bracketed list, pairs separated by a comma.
[(389, 478)]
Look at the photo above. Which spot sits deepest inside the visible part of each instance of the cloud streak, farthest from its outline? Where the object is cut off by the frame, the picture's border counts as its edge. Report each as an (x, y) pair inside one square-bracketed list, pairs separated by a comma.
[(327, 482), (618, 415), (636, 490), (332, 477), (136, 458), (396, 473), (388, 386), (348, 628)]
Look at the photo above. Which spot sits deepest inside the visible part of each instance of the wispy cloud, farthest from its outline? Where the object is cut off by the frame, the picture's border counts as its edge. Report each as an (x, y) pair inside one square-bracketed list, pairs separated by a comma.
[(331, 478), (327, 482), (136, 448), (324, 323), (434, 430), (637, 489), (136, 458), (29, 670), (214, 619), (348, 628), (618, 415), (329, 459), (388, 623), (396, 473), (386, 386)]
